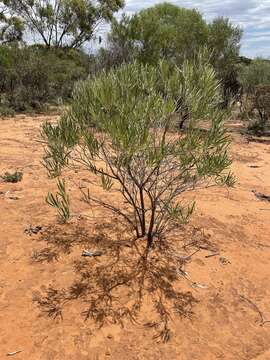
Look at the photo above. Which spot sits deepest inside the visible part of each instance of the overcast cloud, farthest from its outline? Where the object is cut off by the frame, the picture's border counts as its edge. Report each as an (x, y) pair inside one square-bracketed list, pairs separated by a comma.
[(252, 15)]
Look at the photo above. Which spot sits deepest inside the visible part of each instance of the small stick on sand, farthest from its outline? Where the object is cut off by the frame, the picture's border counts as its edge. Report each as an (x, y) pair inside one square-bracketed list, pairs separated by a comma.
[(263, 245), (186, 258), (211, 255), (190, 244), (262, 320), (92, 253), (14, 353)]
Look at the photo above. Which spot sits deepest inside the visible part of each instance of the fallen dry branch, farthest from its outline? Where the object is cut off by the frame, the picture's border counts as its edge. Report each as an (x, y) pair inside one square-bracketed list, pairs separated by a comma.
[(261, 196), (211, 255), (255, 307), (258, 140), (264, 245), (89, 253), (14, 353), (33, 230)]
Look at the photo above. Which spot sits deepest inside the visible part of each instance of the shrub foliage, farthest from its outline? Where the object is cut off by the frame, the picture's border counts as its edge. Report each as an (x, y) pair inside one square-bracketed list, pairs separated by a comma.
[(255, 80), (118, 128), (41, 76)]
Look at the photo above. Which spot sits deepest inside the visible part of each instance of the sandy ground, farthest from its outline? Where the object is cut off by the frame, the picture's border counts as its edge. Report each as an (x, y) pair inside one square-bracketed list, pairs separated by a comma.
[(226, 321)]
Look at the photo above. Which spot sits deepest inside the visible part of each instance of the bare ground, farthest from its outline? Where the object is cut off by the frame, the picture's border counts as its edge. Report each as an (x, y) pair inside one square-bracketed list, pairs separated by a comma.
[(231, 300)]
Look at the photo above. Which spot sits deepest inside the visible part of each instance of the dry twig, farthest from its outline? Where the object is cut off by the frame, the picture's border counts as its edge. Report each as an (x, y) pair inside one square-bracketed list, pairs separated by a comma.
[(255, 307), (14, 353)]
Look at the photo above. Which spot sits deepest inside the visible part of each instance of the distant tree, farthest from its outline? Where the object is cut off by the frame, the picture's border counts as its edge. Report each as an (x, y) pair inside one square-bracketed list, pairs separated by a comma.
[(107, 58), (224, 42), (175, 33), (11, 27), (63, 23), (255, 81), (243, 60), (163, 31)]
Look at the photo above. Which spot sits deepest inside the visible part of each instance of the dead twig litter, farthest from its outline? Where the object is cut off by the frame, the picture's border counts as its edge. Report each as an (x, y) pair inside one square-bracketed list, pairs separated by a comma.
[(92, 253), (14, 353), (263, 245), (186, 258), (199, 286), (193, 284), (255, 307), (33, 230), (211, 255), (261, 196), (224, 261)]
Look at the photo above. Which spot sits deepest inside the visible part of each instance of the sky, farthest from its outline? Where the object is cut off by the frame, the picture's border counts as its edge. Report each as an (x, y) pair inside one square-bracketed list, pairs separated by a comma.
[(252, 15)]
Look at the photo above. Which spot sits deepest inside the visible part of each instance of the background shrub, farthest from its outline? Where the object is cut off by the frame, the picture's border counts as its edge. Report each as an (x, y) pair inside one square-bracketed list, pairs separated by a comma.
[(255, 101), (41, 76)]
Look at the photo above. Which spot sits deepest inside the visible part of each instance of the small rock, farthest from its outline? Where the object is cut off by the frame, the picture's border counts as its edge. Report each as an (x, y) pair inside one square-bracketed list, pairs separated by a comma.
[(33, 230), (224, 261)]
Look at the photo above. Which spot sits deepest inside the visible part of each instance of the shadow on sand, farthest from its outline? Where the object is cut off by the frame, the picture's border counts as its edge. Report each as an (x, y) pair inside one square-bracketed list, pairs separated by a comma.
[(115, 285)]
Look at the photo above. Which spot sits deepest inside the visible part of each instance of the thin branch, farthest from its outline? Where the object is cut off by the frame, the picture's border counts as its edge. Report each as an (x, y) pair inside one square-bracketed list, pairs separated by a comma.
[(262, 319), (87, 198)]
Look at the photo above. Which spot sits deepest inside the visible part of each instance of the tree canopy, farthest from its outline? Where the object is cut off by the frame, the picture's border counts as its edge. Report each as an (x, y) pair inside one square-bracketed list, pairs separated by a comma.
[(11, 27), (224, 40), (162, 31), (171, 32), (62, 23), (175, 33)]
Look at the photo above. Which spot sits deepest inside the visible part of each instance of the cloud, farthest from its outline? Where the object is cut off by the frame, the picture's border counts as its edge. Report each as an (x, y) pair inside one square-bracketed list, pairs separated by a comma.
[(252, 15)]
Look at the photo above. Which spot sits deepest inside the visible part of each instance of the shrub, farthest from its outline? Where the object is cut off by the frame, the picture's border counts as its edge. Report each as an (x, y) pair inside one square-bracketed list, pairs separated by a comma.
[(254, 74), (6, 111), (261, 103), (255, 80), (60, 201), (12, 177), (41, 77), (118, 129), (167, 31)]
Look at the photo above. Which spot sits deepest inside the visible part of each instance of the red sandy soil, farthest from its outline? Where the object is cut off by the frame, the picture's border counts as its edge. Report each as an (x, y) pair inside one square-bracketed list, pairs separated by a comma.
[(226, 319)]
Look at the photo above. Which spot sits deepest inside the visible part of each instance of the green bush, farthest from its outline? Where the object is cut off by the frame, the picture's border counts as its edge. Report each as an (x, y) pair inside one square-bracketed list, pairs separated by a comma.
[(41, 76), (254, 74), (167, 31), (256, 127), (255, 80), (6, 111), (60, 201), (12, 177), (118, 129)]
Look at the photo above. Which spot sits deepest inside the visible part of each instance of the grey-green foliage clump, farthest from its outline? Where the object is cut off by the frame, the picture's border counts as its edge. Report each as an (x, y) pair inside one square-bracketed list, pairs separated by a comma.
[(255, 74), (119, 128), (12, 177), (60, 201), (255, 102)]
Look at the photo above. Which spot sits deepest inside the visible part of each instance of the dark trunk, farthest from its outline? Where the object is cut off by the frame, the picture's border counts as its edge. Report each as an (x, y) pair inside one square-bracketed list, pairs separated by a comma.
[(143, 227), (150, 235)]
